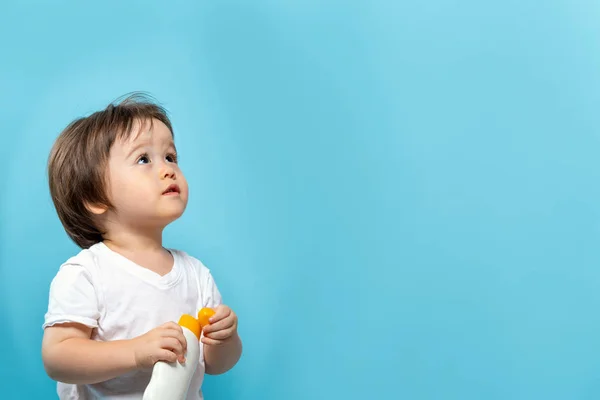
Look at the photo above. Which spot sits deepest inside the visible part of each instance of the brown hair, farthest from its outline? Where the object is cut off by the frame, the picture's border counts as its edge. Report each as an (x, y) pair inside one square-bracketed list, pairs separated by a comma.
[(78, 161)]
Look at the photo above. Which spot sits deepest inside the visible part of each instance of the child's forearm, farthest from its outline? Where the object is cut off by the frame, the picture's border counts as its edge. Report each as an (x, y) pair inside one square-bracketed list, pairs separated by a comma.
[(86, 361), (219, 359)]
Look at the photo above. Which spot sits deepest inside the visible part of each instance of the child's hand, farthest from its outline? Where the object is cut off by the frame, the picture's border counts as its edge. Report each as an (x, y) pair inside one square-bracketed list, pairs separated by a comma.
[(164, 343), (223, 325)]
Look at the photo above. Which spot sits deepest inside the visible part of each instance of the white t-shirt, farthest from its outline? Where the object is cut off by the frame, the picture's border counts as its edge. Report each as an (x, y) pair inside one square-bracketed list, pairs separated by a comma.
[(121, 300)]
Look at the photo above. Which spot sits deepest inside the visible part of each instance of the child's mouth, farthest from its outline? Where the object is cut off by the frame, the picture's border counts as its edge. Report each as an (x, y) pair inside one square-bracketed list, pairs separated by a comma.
[(171, 190)]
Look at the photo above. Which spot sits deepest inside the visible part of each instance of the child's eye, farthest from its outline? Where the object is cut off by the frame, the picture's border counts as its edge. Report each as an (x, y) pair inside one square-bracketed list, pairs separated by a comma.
[(143, 159), (171, 158)]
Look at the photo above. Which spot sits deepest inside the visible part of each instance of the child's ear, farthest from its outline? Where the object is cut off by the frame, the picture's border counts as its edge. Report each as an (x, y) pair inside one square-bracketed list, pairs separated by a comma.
[(96, 209)]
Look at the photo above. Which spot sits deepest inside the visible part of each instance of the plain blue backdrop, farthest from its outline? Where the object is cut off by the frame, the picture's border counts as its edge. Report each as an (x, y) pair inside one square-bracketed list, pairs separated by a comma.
[(400, 199)]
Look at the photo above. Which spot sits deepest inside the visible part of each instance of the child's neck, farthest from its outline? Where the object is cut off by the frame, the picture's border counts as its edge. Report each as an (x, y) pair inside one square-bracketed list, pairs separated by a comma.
[(143, 248), (134, 241)]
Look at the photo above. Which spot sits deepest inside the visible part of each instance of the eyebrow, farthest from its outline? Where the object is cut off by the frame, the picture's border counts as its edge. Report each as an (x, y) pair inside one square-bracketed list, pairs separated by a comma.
[(136, 148), (171, 144)]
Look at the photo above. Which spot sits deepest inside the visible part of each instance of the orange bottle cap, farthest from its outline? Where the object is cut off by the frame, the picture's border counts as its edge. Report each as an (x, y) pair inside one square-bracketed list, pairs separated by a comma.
[(204, 315), (191, 323)]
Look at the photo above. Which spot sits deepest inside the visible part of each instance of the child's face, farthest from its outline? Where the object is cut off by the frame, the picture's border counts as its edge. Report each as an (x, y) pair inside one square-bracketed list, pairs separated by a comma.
[(146, 186)]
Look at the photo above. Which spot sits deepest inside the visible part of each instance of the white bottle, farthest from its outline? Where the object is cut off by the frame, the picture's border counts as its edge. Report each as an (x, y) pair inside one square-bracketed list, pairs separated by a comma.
[(170, 381)]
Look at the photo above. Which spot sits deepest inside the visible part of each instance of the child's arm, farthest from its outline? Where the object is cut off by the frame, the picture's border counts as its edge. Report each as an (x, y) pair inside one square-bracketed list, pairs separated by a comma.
[(220, 358), (70, 356), (222, 344)]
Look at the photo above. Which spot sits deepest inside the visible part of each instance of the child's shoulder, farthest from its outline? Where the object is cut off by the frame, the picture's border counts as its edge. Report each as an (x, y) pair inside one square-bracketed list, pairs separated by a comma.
[(82, 265), (85, 258), (190, 260)]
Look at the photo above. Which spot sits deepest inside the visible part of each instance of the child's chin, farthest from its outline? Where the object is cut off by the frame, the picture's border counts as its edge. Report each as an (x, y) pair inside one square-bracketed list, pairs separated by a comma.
[(172, 215)]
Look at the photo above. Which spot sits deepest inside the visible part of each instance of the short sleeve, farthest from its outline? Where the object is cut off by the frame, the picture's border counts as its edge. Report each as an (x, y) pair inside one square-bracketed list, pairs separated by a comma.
[(211, 297), (72, 298)]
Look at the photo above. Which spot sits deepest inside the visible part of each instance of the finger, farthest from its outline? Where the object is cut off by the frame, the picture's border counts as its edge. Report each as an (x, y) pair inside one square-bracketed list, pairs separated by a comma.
[(225, 323), (221, 312), (171, 333), (183, 341), (173, 345), (220, 335), (210, 342), (172, 325), (167, 356)]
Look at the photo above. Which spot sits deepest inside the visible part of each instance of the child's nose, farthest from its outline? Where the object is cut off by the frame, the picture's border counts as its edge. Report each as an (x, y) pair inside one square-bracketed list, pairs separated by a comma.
[(167, 172)]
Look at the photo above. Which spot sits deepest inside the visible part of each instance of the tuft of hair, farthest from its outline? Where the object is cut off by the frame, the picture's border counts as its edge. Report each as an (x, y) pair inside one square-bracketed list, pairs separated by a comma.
[(78, 161)]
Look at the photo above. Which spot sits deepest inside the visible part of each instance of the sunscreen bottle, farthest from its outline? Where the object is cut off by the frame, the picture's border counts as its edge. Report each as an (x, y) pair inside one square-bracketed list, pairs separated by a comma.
[(170, 381)]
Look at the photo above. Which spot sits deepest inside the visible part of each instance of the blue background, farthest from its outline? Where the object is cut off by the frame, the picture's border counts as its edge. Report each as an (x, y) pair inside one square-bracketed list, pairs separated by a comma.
[(400, 199)]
